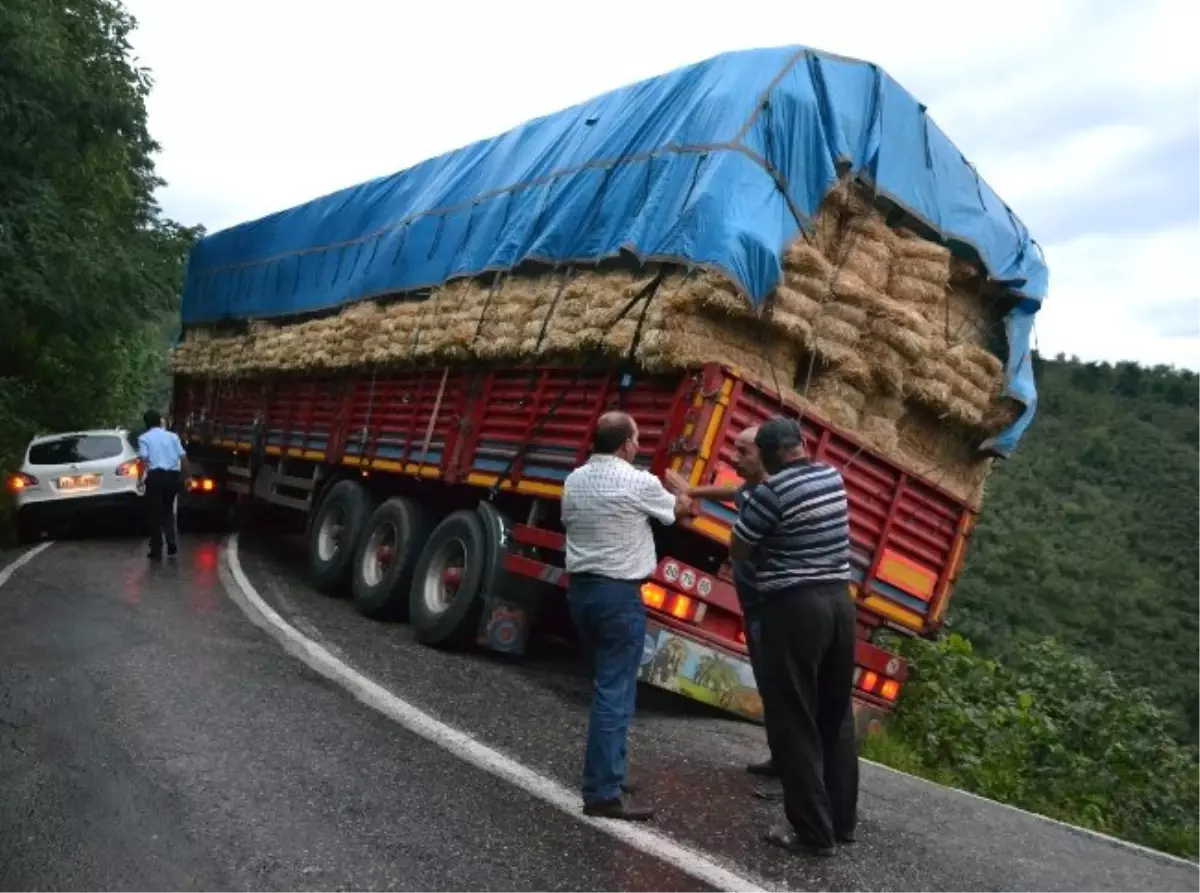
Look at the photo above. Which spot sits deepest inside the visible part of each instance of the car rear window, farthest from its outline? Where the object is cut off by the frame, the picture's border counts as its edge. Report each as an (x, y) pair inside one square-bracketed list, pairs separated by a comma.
[(75, 448)]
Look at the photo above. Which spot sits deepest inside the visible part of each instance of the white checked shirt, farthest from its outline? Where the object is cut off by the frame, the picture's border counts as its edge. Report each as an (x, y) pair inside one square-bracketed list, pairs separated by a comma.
[(607, 505)]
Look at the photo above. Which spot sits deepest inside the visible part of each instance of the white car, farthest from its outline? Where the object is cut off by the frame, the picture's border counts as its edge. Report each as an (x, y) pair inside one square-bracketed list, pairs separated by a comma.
[(66, 477)]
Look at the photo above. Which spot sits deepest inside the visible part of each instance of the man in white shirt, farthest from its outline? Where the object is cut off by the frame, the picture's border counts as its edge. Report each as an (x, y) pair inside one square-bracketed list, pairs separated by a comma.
[(607, 505)]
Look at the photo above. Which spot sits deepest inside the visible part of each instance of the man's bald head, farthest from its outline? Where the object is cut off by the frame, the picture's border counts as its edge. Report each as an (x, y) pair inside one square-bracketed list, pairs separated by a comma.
[(615, 434), (746, 456)]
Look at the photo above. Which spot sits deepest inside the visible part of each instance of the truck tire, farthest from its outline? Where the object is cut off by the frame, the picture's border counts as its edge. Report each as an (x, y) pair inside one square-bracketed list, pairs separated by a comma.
[(386, 557), (334, 533), (446, 597)]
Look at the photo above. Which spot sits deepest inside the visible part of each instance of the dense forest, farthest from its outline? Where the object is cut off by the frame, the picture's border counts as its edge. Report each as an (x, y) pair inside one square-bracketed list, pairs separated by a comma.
[(1089, 533)]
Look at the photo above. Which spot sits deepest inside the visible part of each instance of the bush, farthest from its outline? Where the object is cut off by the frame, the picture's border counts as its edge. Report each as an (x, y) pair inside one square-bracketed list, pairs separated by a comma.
[(1049, 732)]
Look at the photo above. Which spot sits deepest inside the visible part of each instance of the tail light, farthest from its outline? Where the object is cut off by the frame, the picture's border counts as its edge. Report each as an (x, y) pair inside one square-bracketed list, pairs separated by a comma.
[(673, 603), (872, 683), (20, 481), (204, 485), (129, 469)]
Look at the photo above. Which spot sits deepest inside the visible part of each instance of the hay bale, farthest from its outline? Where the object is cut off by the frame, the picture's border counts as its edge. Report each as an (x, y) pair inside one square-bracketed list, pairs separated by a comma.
[(866, 250), (829, 328), (910, 245), (942, 455), (909, 342), (836, 400), (889, 367), (796, 302), (848, 313), (932, 271), (880, 433), (806, 259), (910, 290), (850, 289), (978, 366)]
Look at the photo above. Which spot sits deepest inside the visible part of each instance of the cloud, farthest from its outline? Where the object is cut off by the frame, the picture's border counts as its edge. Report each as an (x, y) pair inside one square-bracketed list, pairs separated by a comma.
[(1176, 319)]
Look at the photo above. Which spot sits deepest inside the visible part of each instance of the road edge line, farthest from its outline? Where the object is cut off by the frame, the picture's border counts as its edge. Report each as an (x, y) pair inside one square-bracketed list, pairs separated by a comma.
[(23, 559), (689, 861), (1088, 832)]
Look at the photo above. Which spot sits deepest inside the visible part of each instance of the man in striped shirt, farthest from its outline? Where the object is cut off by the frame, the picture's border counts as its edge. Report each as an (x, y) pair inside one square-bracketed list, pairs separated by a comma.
[(795, 526)]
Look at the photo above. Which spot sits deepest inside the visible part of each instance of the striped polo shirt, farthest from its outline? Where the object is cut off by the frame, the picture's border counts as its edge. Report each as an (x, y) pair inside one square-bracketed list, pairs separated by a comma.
[(799, 519)]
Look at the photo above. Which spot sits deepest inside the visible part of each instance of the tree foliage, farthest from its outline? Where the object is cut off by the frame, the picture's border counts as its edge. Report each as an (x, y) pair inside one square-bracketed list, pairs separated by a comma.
[(89, 269), (1050, 732), (1089, 533)]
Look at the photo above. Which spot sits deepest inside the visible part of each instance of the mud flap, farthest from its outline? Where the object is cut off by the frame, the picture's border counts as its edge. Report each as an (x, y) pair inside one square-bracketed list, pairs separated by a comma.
[(511, 603)]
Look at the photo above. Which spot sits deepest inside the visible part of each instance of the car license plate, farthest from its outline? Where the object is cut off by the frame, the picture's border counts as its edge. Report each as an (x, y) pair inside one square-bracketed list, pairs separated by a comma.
[(79, 482)]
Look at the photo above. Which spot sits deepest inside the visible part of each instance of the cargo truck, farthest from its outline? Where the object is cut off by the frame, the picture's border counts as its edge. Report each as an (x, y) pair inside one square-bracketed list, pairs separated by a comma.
[(430, 489)]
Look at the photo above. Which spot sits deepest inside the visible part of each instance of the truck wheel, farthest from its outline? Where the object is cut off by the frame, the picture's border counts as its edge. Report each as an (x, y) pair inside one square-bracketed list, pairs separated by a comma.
[(386, 557), (446, 597), (335, 531)]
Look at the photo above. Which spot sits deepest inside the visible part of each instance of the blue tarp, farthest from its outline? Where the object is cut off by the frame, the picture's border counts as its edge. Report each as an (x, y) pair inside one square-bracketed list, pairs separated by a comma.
[(717, 164)]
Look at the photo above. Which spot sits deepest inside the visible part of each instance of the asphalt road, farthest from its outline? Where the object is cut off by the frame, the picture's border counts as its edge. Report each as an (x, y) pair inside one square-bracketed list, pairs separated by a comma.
[(152, 736)]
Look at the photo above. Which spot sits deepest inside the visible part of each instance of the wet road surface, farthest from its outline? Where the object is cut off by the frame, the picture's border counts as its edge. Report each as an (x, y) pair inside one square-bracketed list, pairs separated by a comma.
[(151, 736)]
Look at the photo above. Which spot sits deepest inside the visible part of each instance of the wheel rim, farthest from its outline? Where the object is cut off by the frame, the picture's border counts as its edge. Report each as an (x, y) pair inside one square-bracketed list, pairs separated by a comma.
[(444, 577), (329, 536), (380, 553)]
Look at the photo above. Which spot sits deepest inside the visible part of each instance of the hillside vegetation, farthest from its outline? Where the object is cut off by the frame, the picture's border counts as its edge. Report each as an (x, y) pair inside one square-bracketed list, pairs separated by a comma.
[(1067, 681), (89, 269)]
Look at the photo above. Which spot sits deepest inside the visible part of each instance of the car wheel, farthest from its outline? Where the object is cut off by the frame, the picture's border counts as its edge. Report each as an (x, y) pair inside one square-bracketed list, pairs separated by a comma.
[(334, 534), (387, 556)]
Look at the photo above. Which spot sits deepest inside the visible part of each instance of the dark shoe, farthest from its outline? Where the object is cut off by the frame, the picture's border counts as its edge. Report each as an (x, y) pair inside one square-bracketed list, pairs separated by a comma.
[(154, 556), (618, 809), (848, 837), (785, 838), (172, 551), (766, 769), (774, 795)]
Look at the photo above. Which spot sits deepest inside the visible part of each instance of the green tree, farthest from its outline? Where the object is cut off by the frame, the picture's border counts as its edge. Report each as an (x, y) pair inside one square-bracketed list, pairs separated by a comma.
[(89, 269)]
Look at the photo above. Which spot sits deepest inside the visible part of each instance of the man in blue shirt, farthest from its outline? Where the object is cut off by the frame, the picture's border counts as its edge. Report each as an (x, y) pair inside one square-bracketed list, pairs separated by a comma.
[(161, 471)]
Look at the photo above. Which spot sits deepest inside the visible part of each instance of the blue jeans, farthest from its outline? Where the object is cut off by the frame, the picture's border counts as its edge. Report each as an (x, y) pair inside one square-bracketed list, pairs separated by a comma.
[(611, 620)]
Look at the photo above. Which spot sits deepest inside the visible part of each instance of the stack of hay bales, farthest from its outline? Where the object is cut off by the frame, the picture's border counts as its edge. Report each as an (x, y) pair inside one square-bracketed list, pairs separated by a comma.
[(877, 330)]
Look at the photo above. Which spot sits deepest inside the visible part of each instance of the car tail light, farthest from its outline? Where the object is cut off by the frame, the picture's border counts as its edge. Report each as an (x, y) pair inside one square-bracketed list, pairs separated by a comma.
[(681, 607), (129, 469), (20, 481), (673, 603), (204, 485)]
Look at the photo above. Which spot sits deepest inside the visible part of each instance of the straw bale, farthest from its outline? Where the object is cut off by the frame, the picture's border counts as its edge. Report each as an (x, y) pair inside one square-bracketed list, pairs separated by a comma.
[(909, 342), (978, 366), (971, 318), (866, 250), (797, 302), (850, 289), (889, 367), (891, 408), (910, 245), (830, 328), (806, 259), (795, 327), (716, 294), (911, 290), (836, 400), (848, 313), (949, 460), (880, 433), (935, 272)]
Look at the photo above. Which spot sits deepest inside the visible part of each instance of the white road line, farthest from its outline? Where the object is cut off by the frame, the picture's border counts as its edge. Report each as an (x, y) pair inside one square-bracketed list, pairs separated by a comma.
[(23, 559), (1087, 832), (698, 865)]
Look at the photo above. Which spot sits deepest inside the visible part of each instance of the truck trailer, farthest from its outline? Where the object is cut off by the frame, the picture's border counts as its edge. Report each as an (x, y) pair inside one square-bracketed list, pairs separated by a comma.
[(426, 459)]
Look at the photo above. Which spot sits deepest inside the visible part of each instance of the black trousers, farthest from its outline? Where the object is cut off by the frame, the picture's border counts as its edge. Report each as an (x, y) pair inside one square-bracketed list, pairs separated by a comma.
[(162, 488), (807, 660), (752, 612)]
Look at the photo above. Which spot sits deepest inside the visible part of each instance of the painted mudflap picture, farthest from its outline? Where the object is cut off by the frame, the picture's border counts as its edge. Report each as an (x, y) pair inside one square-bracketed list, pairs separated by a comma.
[(702, 673)]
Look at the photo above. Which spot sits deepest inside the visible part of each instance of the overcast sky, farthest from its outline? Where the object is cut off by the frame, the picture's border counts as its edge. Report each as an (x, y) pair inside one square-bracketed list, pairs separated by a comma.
[(1084, 115)]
